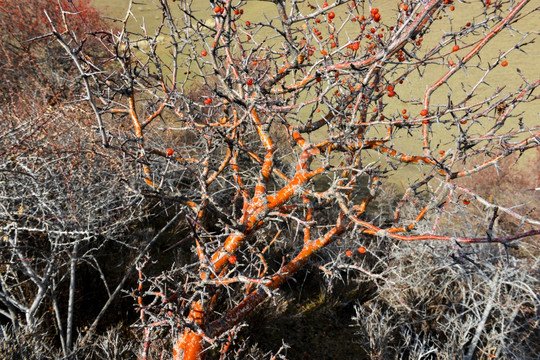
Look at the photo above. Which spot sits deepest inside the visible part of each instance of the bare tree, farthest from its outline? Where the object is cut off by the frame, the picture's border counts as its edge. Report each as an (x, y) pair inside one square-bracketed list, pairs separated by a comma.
[(274, 137)]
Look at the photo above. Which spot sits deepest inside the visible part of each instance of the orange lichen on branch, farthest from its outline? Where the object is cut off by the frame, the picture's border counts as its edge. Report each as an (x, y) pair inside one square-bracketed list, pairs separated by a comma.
[(222, 166), (190, 345), (410, 158), (268, 162), (234, 316), (292, 187)]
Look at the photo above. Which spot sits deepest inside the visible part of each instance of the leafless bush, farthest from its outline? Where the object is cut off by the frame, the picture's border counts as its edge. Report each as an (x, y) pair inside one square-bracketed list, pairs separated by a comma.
[(428, 307), (63, 204)]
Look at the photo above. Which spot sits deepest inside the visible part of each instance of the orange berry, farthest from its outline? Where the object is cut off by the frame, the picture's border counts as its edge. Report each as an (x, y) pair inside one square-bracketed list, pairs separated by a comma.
[(170, 152), (424, 112), (217, 9), (362, 250), (232, 259), (404, 111), (455, 48), (504, 63), (204, 53), (348, 253), (208, 101)]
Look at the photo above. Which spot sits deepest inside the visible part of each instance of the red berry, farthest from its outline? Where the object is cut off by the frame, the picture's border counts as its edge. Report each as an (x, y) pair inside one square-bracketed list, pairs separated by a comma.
[(170, 152), (204, 53), (361, 250), (331, 15), (249, 82), (232, 259), (248, 23), (504, 63), (348, 253), (455, 48), (236, 12), (325, 5), (217, 9), (424, 112), (208, 101)]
